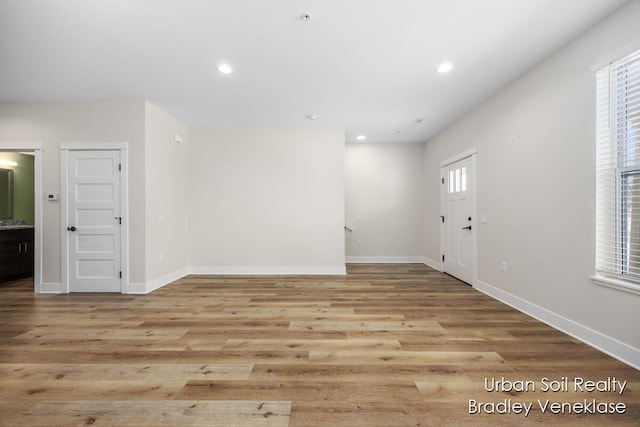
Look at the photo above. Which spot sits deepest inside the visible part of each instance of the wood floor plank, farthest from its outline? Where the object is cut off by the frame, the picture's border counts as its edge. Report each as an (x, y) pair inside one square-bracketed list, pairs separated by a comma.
[(365, 325), (95, 389), (104, 345), (157, 413), (438, 336), (301, 390), (73, 333), (362, 372), (405, 357), (162, 356), (312, 344), (123, 372), (268, 310), (386, 345)]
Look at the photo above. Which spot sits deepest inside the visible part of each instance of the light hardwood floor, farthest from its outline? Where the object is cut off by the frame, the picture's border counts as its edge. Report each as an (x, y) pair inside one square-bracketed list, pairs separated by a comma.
[(389, 345)]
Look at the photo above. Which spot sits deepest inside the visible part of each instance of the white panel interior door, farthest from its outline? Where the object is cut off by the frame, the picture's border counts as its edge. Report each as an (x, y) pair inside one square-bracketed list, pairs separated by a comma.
[(94, 228), (457, 225)]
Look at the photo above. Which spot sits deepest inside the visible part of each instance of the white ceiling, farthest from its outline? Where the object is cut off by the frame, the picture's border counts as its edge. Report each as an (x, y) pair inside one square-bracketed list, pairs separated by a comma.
[(367, 66)]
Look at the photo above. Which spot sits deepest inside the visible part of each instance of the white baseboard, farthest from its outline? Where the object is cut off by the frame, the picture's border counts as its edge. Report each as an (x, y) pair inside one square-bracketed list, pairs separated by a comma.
[(137, 288), (270, 271), (384, 260), (436, 265), (157, 283), (608, 345), (51, 288), (145, 288)]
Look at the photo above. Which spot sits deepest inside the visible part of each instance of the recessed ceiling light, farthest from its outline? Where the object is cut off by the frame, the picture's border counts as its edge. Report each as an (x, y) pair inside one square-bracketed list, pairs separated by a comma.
[(361, 137), (225, 68), (445, 67), (312, 117)]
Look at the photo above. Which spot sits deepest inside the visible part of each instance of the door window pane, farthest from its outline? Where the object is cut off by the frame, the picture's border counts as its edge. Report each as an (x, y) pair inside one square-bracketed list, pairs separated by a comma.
[(452, 181), (464, 179)]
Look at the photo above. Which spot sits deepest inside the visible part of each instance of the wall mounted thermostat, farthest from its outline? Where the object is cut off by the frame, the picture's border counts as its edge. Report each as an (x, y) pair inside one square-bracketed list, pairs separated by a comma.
[(52, 197)]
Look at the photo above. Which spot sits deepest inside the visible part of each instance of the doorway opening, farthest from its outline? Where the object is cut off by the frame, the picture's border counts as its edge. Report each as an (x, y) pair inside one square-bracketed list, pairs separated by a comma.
[(21, 212)]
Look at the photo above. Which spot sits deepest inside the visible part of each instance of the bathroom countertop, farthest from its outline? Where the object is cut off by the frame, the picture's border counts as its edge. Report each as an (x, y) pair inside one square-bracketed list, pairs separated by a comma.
[(15, 227)]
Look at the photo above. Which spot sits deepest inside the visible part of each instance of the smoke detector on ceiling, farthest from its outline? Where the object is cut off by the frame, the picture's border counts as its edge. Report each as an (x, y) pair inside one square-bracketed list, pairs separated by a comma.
[(305, 17)]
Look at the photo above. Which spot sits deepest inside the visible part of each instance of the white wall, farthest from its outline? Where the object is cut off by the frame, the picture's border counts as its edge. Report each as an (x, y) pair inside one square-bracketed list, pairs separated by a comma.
[(536, 184), (263, 200), (166, 197), (384, 201), (266, 200), (52, 123)]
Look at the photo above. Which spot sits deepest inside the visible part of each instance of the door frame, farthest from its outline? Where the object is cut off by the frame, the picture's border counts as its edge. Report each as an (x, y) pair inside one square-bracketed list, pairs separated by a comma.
[(36, 148), (123, 147), (471, 154)]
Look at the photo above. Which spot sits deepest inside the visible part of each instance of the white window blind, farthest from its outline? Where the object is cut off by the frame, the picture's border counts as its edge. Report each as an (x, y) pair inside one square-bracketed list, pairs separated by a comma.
[(618, 171)]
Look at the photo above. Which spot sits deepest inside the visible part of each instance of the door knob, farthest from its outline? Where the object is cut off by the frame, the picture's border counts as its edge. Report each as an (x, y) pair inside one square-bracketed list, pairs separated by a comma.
[(72, 228), (467, 227)]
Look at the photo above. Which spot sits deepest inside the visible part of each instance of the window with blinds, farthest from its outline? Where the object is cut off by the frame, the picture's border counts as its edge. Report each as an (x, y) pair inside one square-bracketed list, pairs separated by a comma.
[(618, 172)]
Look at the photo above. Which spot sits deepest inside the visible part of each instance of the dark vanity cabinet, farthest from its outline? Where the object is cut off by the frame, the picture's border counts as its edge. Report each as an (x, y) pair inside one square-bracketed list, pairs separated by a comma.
[(16, 253)]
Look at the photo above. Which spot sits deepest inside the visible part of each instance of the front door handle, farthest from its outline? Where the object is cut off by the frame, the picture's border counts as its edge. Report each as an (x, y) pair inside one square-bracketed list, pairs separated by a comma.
[(467, 227), (72, 228)]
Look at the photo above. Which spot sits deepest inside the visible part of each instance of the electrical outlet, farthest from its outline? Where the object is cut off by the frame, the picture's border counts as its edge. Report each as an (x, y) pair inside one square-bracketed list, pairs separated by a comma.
[(503, 266)]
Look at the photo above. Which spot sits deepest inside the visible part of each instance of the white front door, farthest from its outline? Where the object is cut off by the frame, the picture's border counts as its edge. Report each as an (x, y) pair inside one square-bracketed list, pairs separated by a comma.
[(94, 221), (457, 188)]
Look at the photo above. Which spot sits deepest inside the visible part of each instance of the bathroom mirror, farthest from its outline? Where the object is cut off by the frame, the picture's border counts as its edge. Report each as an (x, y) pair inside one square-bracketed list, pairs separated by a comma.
[(6, 194)]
